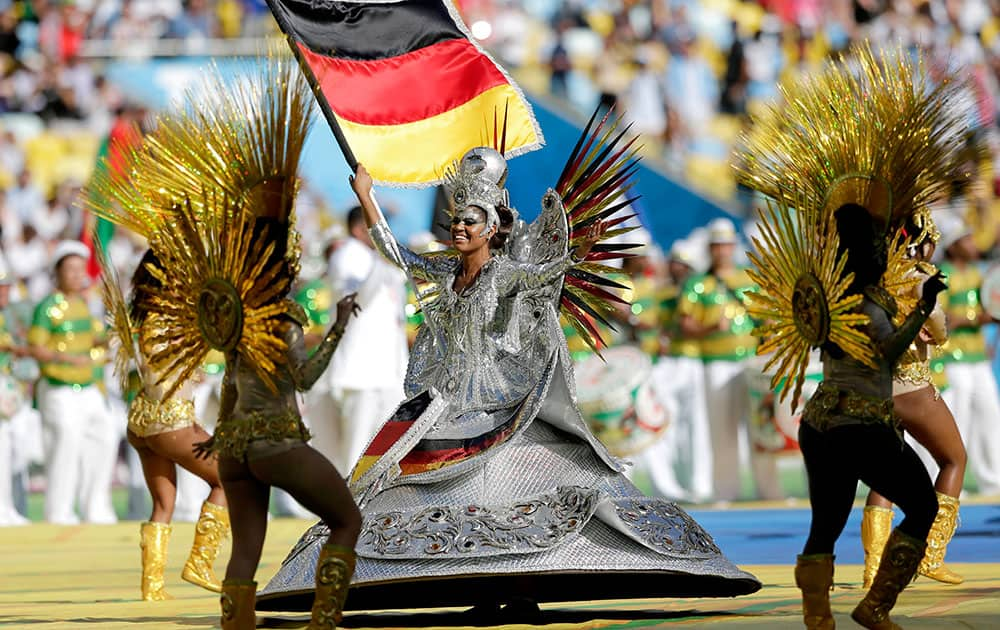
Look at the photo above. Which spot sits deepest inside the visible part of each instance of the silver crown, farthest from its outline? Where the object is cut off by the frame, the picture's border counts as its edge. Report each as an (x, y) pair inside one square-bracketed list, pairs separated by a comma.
[(477, 180)]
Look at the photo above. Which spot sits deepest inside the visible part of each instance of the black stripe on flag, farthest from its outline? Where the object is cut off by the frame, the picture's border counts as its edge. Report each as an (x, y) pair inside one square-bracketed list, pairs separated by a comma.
[(365, 30)]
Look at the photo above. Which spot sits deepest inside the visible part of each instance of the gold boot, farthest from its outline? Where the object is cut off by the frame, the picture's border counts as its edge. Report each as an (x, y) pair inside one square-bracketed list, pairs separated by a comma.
[(899, 564), (876, 523), (940, 535), (153, 539), (212, 528), (333, 578), (814, 577), (238, 601)]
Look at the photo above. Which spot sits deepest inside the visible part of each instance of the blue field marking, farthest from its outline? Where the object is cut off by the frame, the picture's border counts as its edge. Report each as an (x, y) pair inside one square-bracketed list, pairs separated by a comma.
[(775, 536)]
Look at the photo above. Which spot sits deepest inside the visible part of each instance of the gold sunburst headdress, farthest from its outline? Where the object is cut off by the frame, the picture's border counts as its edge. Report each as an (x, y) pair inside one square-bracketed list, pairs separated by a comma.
[(220, 289), (871, 131), (118, 318)]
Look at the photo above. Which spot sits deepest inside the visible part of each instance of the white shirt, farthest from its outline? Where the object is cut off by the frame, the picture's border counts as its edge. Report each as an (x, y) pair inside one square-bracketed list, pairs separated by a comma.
[(372, 353)]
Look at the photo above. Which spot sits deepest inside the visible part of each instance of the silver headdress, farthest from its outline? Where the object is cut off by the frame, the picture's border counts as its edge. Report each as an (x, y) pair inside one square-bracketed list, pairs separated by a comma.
[(477, 180)]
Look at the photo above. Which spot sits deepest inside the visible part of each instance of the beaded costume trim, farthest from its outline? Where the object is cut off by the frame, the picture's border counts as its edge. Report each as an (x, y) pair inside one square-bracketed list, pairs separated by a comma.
[(234, 435), (150, 417), (830, 402)]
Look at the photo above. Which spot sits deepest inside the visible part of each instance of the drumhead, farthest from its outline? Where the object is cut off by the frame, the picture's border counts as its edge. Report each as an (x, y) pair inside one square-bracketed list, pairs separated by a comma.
[(989, 293)]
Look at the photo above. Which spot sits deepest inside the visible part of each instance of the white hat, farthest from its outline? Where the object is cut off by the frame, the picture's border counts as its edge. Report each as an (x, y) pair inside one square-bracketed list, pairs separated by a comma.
[(684, 251), (721, 231), (952, 229), (5, 275), (69, 248)]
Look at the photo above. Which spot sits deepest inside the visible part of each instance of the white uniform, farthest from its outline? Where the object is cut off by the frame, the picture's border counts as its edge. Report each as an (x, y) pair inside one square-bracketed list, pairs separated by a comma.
[(365, 377)]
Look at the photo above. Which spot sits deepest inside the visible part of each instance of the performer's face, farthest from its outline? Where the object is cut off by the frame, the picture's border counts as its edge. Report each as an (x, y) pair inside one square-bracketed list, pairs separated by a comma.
[(71, 274), (468, 230)]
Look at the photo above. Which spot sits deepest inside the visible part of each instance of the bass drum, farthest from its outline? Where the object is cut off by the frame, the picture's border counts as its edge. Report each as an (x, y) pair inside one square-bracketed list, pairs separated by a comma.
[(617, 400), (774, 424)]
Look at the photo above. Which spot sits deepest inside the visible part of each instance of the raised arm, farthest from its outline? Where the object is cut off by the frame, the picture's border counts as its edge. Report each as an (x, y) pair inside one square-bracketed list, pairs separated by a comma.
[(382, 237), (306, 369)]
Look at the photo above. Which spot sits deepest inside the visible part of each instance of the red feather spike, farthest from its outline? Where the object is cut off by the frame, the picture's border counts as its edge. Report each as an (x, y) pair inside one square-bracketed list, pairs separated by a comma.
[(609, 223), (598, 156), (608, 191), (605, 164), (576, 148), (594, 290), (595, 256), (577, 158), (583, 319), (503, 140)]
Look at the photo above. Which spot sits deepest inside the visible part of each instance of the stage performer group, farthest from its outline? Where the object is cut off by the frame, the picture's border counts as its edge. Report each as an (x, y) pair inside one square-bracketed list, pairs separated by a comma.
[(485, 487)]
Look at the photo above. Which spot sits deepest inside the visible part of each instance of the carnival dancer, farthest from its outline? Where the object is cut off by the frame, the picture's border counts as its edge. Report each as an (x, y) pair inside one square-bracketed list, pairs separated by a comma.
[(925, 417), (973, 396), (79, 436), (163, 430), (851, 153), (12, 402), (486, 485)]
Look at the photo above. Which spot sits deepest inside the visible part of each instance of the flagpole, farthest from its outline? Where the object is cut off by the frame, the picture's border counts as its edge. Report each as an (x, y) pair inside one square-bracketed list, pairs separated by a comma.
[(331, 118)]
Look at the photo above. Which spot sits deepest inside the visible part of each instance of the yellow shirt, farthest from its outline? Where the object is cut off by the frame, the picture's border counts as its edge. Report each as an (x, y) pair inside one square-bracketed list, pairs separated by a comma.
[(64, 324), (709, 299)]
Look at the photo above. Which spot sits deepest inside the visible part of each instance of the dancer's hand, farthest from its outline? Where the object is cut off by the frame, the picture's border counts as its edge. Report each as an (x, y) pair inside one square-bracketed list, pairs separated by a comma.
[(593, 234), (203, 450), (932, 286), (346, 307), (361, 182)]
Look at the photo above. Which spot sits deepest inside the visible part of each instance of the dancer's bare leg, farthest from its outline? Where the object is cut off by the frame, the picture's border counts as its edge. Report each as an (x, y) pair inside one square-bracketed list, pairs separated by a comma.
[(161, 479), (928, 419), (178, 446)]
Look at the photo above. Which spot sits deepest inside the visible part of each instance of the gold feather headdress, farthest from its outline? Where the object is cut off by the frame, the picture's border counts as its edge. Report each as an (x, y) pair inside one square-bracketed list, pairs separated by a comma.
[(195, 188), (869, 129)]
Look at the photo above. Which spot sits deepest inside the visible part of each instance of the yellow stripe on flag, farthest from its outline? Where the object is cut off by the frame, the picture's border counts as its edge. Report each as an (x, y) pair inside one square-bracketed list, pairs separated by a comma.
[(433, 144)]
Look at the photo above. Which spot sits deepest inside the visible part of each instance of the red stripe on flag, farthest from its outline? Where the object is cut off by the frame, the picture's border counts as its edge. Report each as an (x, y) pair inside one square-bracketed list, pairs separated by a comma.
[(407, 88), (391, 431)]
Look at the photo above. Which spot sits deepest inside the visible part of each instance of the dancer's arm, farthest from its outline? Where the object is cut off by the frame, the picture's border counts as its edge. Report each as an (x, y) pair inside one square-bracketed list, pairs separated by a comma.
[(892, 343), (383, 239), (531, 276), (306, 369)]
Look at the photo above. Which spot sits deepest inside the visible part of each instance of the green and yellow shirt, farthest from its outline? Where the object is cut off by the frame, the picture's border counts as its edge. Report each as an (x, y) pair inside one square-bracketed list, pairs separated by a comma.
[(64, 324), (709, 298), (670, 321), (6, 340), (966, 343)]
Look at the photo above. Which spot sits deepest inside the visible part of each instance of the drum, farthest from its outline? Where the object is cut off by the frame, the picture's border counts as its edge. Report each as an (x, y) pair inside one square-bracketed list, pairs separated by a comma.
[(989, 292), (11, 396), (617, 400), (774, 425)]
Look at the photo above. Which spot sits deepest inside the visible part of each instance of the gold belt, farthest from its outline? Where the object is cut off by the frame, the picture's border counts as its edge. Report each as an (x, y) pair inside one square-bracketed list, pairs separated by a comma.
[(830, 401), (234, 435), (149, 417)]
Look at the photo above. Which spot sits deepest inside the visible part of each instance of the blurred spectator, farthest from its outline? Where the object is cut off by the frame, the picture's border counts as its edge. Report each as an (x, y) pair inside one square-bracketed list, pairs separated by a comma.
[(195, 21), (24, 198)]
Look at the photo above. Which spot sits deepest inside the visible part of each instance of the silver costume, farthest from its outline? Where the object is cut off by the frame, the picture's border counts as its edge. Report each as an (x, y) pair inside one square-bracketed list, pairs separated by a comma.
[(487, 483)]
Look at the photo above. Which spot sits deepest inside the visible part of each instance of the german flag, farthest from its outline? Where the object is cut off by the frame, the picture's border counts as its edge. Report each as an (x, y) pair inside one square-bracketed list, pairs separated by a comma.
[(405, 83)]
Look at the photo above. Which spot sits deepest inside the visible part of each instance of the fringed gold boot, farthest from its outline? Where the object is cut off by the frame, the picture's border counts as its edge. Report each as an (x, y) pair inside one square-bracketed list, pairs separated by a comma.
[(814, 577), (153, 543), (212, 528), (876, 523), (333, 579), (238, 601), (940, 535), (899, 564)]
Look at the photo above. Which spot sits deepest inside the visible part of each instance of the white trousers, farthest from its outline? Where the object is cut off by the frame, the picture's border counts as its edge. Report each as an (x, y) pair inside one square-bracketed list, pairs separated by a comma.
[(680, 463), (343, 421), (81, 447), (728, 402), (8, 513), (975, 402)]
